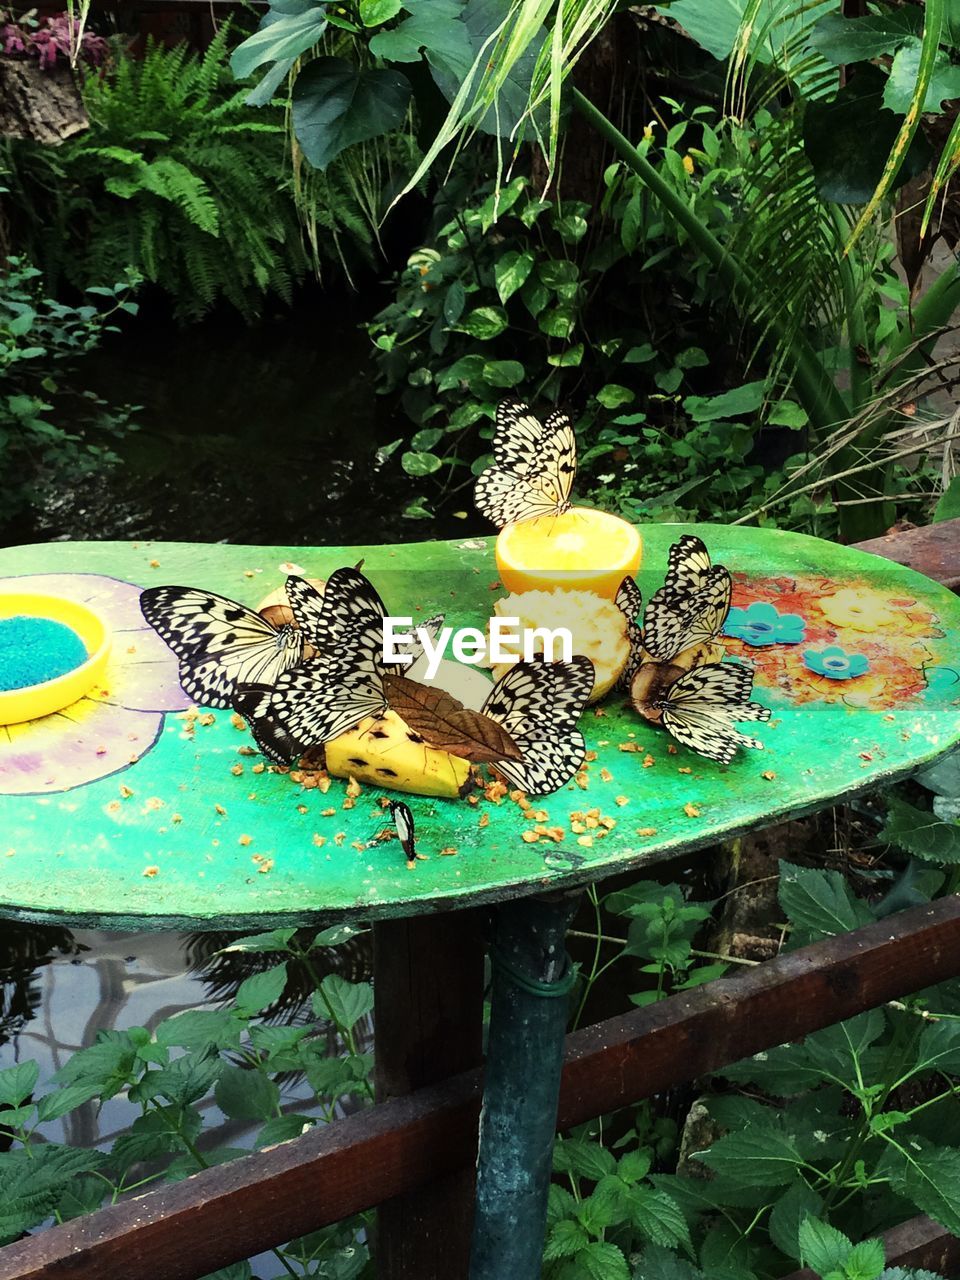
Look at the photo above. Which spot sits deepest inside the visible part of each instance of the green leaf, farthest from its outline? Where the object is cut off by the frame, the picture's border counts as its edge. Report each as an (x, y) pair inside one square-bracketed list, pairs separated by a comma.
[(440, 33), (283, 1128), (732, 404), (420, 464), (657, 1263), (583, 1158), (569, 359), (822, 1247), (17, 1083), (938, 1048), (426, 439), (483, 323), (844, 40), (336, 105), (640, 355), (246, 1094), (31, 1183), (280, 37), (465, 370), (558, 322), (783, 1225), (849, 139), (865, 1261), (454, 302), (236, 1271), (571, 228), (658, 1218), (503, 373), (374, 13), (510, 272), (921, 833), (347, 1002), (54, 1105), (105, 1066), (601, 1261), (156, 1134), (948, 505), (930, 1177), (186, 1079), (944, 82), (565, 1239), (819, 902), (336, 935), (261, 990), (197, 1028), (612, 396), (786, 413), (274, 940), (756, 1157)]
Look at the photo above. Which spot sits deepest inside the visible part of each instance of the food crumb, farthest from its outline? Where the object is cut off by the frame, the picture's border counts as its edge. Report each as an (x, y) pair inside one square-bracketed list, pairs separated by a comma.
[(768, 774), (450, 851), (246, 840), (648, 761), (646, 831), (238, 721), (151, 871), (556, 834), (113, 806), (590, 756), (586, 841), (259, 768), (484, 820), (125, 791), (353, 788), (621, 800), (236, 770), (628, 746), (530, 837), (684, 769), (339, 838), (265, 866), (221, 810), (691, 811), (176, 817), (319, 840), (208, 719), (246, 750), (154, 564), (327, 813), (671, 750), (302, 808)]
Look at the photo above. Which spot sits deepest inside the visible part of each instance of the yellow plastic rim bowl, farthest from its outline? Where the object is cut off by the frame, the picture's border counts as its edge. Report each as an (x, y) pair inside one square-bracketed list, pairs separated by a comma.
[(35, 700), (582, 550)]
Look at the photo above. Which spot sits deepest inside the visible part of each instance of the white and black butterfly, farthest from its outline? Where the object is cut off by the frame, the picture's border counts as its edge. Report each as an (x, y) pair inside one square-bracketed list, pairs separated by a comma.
[(223, 645), (402, 816), (538, 704), (630, 601), (535, 464), (702, 707), (691, 606)]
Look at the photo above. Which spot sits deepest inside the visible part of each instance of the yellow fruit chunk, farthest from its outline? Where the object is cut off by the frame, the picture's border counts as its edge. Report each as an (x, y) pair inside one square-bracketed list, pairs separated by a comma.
[(383, 752), (597, 628), (582, 550)]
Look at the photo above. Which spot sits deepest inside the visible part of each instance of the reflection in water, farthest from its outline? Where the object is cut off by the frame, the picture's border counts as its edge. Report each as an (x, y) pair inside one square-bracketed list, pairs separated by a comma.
[(59, 989)]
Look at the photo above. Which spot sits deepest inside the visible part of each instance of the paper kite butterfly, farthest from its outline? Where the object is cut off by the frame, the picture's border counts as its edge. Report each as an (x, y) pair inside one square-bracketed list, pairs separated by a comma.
[(534, 466), (698, 703)]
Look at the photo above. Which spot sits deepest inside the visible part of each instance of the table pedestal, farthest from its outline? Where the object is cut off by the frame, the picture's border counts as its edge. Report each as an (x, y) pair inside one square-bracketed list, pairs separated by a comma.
[(532, 978)]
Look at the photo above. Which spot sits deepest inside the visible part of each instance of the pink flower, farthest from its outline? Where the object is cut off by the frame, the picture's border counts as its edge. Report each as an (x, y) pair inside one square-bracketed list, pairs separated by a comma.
[(118, 721)]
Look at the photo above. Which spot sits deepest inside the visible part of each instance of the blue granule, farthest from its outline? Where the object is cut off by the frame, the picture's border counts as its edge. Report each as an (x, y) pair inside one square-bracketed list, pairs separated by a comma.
[(33, 650)]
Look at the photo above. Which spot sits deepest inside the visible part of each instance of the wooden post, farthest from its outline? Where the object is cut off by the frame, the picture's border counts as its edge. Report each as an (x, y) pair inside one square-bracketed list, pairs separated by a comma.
[(428, 1021)]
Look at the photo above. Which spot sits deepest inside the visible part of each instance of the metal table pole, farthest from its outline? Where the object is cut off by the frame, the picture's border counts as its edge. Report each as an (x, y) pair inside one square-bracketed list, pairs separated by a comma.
[(532, 978)]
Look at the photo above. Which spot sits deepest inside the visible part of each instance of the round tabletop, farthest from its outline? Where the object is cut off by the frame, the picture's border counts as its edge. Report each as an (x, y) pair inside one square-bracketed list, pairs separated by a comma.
[(130, 810)]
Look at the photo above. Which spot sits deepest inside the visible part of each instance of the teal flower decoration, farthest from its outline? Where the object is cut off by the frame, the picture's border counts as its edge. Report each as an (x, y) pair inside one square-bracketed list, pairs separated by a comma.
[(836, 663), (761, 623)]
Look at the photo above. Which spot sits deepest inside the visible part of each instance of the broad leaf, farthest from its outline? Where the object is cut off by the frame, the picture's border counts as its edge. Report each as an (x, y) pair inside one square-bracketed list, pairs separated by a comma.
[(483, 323), (447, 724), (600, 1261), (347, 1002), (737, 403), (944, 82), (662, 1264), (510, 271), (283, 1128), (336, 105), (948, 504), (565, 1239), (336, 935), (658, 1218), (155, 1134), (373, 13), (17, 1083), (197, 1028), (844, 40), (757, 1157), (819, 903), (822, 1247), (774, 29), (184, 1081), (583, 1158), (848, 140), (930, 1177), (420, 462), (921, 833), (797, 1203), (245, 1094), (433, 27), (281, 37), (54, 1105), (273, 940), (261, 990), (31, 1183)]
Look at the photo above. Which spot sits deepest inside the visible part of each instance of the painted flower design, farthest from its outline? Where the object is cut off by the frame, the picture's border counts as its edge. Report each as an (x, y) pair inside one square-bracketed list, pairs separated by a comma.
[(858, 609), (761, 623), (118, 721), (835, 663)]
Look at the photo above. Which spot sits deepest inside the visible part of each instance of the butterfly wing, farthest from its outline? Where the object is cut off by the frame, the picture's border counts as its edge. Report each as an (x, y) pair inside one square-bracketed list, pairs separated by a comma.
[(701, 708), (412, 644), (349, 601), (535, 465), (538, 704), (253, 702), (630, 602), (221, 644), (687, 562), (516, 437), (674, 621)]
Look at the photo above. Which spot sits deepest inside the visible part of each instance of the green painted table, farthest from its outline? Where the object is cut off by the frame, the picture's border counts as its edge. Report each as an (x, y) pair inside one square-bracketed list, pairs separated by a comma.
[(128, 811)]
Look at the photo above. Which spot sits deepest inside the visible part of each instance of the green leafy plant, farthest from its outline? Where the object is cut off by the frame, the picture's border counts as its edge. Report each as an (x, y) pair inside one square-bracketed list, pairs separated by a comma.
[(173, 178), (230, 1056), (52, 431)]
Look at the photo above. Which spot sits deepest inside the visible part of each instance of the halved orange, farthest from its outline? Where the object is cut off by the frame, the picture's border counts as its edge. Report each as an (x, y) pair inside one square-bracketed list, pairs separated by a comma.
[(582, 550)]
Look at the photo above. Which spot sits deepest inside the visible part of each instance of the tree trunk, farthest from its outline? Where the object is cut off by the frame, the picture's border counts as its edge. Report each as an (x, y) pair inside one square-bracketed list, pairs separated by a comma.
[(43, 105)]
